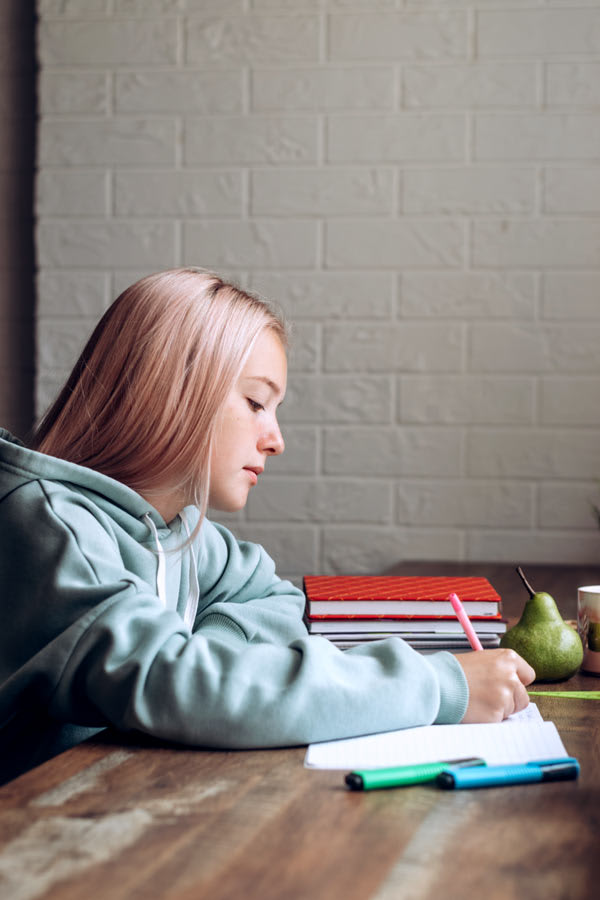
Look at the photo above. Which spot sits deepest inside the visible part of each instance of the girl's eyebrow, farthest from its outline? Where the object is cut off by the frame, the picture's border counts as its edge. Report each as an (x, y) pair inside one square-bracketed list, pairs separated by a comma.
[(271, 384)]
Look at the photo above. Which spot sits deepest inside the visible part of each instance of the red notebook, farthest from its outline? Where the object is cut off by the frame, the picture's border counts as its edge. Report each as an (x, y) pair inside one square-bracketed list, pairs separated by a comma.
[(397, 597)]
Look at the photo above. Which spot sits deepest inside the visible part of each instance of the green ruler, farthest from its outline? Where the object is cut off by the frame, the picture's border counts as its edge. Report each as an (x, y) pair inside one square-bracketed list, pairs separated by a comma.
[(574, 695)]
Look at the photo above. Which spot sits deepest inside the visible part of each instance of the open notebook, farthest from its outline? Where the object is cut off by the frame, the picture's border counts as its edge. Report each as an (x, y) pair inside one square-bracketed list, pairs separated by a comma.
[(522, 737)]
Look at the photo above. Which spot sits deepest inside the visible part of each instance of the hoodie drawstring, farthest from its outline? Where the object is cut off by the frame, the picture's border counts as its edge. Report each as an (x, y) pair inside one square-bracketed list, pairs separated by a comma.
[(193, 597), (191, 606), (161, 574)]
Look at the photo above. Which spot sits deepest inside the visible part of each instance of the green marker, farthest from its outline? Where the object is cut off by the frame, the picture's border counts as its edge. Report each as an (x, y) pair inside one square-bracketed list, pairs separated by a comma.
[(401, 776)]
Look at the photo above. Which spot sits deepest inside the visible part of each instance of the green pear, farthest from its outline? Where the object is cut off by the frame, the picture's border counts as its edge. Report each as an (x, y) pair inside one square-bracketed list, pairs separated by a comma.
[(544, 639)]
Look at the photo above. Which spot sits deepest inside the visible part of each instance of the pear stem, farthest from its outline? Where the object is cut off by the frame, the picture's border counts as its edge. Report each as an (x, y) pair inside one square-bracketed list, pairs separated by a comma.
[(521, 575)]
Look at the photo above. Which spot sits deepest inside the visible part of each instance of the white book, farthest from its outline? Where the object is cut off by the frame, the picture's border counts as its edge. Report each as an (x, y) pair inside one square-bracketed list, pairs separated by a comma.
[(426, 642), (383, 627)]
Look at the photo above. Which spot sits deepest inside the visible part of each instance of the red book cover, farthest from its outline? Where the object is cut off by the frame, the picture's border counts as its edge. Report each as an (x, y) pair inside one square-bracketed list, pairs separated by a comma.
[(397, 596)]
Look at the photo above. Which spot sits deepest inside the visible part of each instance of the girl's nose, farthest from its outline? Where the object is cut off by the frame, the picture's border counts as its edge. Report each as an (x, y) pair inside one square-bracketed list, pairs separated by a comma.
[(272, 442)]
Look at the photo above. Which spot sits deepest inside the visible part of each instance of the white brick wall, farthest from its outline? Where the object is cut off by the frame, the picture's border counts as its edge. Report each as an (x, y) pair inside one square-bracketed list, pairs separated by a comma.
[(417, 183)]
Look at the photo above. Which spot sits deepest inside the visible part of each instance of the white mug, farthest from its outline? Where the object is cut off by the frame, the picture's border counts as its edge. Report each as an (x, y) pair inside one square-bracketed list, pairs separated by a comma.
[(588, 625)]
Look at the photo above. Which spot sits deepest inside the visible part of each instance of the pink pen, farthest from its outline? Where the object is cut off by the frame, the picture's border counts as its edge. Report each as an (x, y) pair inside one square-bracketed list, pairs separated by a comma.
[(464, 621)]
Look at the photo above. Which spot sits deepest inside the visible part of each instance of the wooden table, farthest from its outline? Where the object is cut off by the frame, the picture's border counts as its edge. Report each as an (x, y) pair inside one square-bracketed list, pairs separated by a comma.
[(125, 819)]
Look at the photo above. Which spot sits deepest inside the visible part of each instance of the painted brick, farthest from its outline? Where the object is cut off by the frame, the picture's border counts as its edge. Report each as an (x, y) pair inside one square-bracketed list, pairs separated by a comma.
[(469, 190), (189, 91), (320, 4), (328, 295), (294, 547), (376, 550), (398, 36), (238, 243), (72, 93), (465, 399), (397, 138), (180, 192), (504, 347), (114, 43), (303, 355), (390, 244), (231, 519), (570, 295), (475, 86), (239, 39), (572, 190), (63, 340), (254, 139), (508, 546), (308, 500), (468, 295), (367, 87), (225, 6), (570, 401), (146, 7), (533, 453), (79, 8), (341, 399), (573, 84), (537, 32), (414, 182), (71, 293), (537, 136), (71, 192), (80, 244), (568, 505), (535, 243), (46, 391), (122, 141), (300, 455), (122, 278), (392, 452), (394, 347), (466, 503), (322, 191)]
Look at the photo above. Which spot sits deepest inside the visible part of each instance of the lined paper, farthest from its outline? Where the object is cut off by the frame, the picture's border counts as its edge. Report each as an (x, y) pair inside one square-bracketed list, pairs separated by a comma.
[(518, 739)]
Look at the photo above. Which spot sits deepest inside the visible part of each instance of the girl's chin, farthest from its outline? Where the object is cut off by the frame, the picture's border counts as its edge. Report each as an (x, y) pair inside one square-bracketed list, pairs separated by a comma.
[(230, 504)]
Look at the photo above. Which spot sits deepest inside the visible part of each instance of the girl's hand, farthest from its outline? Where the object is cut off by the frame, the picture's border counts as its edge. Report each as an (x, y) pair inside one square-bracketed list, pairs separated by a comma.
[(497, 680)]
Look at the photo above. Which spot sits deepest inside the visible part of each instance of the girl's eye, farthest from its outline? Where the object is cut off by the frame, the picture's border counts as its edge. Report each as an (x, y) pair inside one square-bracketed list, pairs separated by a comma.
[(254, 406)]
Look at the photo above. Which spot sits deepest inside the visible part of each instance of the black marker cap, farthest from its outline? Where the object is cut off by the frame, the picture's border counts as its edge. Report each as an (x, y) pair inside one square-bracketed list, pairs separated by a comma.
[(354, 781)]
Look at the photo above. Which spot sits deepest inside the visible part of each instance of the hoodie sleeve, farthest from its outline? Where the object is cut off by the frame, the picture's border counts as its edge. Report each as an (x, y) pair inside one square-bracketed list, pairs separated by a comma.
[(240, 590), (94, 642)]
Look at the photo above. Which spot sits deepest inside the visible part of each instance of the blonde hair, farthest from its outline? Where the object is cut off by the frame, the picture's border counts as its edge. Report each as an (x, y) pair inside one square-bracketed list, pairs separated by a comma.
[(141, 402)]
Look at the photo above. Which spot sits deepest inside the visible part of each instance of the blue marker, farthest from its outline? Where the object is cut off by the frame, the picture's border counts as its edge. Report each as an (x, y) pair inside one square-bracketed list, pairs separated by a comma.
[(565, 769)]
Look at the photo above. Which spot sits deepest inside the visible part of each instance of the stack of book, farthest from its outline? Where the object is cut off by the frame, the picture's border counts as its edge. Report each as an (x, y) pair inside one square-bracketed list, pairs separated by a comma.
[(354, 609)]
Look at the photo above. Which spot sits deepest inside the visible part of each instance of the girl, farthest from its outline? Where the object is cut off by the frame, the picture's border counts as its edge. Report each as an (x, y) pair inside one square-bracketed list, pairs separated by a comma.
[(123, 605)]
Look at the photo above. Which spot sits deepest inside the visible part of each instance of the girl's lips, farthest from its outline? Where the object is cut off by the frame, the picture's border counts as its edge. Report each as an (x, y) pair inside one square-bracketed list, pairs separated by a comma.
[(253, 473)]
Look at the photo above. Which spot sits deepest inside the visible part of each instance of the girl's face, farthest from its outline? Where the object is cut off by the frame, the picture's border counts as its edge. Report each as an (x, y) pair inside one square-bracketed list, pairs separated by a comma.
[(247, 429)]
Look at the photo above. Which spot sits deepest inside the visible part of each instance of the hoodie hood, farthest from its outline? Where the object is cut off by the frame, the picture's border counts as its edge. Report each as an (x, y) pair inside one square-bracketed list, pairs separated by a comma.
[(19, 465)]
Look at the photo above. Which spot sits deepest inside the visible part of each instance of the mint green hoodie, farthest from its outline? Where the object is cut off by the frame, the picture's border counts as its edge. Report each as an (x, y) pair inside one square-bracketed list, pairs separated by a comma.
[(105, 620)]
